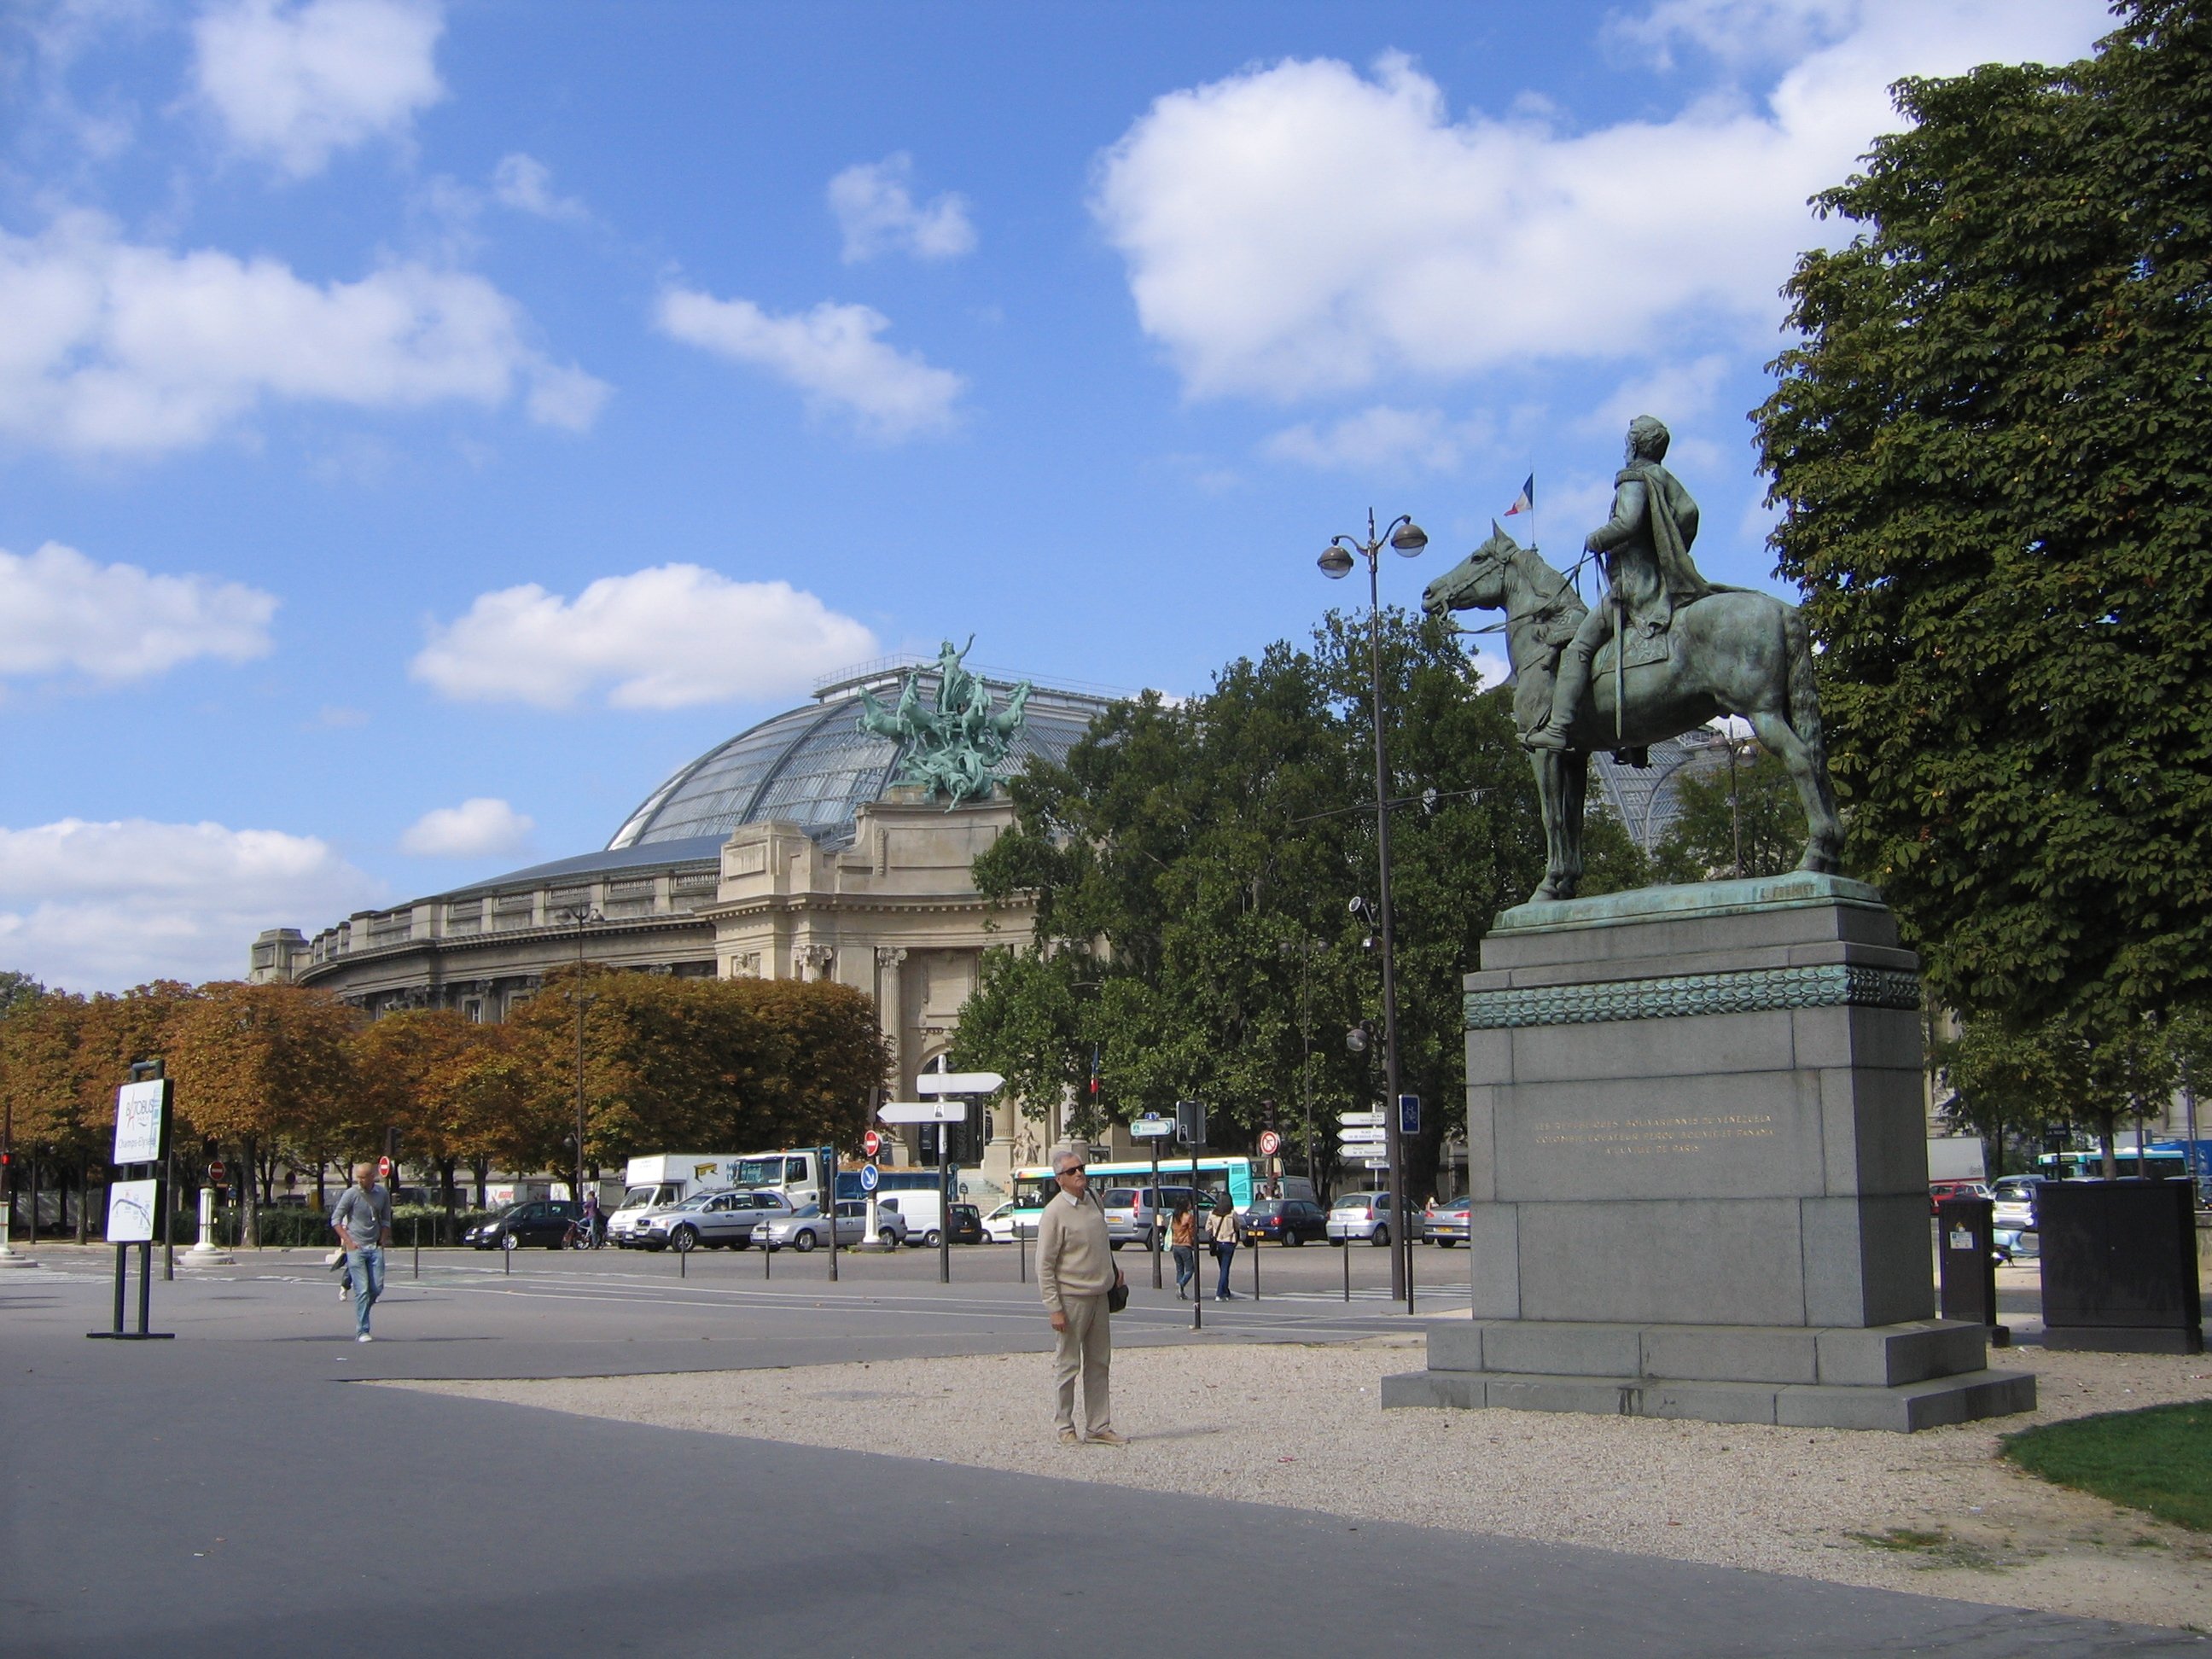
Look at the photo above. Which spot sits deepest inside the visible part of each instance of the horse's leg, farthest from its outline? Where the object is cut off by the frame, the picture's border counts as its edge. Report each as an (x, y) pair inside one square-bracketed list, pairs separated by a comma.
[(1574, 795), (1547, 767), (1823, 830)]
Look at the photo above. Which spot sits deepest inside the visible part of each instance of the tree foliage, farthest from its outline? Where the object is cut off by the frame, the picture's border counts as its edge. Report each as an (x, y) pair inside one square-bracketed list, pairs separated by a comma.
[(1192, 866), (1752, 808), (1989, 452)]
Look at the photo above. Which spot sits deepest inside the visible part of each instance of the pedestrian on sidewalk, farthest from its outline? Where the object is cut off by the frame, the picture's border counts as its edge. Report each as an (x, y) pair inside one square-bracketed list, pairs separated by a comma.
[(1076, 1273), (1183, 1239), (1222, 1229), (362, 1216)]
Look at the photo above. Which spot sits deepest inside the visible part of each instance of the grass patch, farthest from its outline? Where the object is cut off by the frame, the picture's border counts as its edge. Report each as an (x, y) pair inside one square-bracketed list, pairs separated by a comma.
[(1931, 1549), (1901, 1539), (2157, 1460)]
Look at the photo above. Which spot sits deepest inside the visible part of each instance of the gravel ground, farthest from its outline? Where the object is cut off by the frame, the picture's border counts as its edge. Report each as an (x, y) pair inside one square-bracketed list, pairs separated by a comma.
[(1302, 1427)]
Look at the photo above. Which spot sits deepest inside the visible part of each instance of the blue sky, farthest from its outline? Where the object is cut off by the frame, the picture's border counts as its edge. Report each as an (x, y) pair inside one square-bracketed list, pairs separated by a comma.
[(423, 426)]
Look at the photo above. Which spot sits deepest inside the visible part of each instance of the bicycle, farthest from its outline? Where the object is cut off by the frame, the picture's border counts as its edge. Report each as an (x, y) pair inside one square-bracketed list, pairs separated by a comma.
[(581, 1237)]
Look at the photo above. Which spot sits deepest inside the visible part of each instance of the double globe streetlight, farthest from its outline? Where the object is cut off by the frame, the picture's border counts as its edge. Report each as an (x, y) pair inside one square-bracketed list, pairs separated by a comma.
[(1406, 538)]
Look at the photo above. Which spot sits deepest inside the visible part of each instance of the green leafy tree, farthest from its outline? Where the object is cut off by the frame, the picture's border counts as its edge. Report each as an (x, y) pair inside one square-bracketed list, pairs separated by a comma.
[(1751, 813), (1989, 451), (1192, 866)]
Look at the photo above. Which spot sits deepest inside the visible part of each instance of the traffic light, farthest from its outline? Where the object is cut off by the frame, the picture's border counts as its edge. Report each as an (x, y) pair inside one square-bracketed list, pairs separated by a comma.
[(1190, 1123), (1266, 1114)]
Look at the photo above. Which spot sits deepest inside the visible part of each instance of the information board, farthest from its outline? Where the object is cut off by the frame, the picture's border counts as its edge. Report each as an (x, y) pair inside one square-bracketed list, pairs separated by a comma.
[(130, 1213), (141, 1114)]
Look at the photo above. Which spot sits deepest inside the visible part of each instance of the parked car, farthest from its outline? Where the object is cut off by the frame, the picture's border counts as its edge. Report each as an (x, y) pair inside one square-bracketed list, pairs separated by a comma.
[(999, 1226), (967, 1226), (1132, 1212), (1447, 1224), (725, 1219), (1284, 1221), (542, 1221), (806, 1229), (1365, 1215), (2015, 1206), (1939, 1190)]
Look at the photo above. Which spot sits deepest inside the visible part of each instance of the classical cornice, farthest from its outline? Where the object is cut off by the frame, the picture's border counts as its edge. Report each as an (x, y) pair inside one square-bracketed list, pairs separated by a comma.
[(1747, 991), (452, 943)]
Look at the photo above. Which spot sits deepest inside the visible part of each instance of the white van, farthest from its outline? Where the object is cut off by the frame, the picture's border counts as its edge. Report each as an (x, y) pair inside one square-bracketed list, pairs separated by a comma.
[(665, 1178)]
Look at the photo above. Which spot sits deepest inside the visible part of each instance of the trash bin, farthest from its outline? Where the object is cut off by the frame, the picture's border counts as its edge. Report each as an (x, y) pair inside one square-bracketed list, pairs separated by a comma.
[(2119, 1266), (1966, 1260)]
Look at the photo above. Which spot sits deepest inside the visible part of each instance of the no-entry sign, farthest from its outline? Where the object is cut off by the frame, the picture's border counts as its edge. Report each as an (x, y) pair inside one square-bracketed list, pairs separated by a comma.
[(384, 1169), (872, 1143)]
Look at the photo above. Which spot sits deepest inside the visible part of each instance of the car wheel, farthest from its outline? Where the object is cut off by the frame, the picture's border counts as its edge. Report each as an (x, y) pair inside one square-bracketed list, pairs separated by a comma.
[(932, 1239), (1448, 1244), (509, 1242), (1294, 1237), (1380, 1238), (1116, 1243), (804, 1240), (888, 1239), (685, 1239), (1336, 1242)]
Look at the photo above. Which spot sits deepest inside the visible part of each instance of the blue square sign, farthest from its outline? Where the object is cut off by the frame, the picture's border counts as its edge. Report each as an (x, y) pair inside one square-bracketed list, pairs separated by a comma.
[(1409, 1114)]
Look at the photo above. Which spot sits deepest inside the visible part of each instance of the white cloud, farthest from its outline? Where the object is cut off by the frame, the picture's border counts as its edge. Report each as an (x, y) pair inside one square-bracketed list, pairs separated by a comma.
[(295, 83), (477, 827), (1382, 440), (526, 184), (116, 347), (1303, 227), (831, 354), (668, 637), (62, 613), (877, 212), (1735, 32), (103, 906)]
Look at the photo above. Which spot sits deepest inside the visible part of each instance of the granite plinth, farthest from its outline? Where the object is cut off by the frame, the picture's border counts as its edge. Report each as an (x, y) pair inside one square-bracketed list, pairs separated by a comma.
[(1696, 1153)]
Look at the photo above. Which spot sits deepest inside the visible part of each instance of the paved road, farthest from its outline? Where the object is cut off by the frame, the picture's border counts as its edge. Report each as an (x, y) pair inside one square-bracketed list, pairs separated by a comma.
[(222, 1494)]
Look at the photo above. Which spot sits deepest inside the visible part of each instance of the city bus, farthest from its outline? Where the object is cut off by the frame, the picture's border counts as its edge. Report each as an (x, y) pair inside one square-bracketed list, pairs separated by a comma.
[(2158, 1165), (1034, 1186)]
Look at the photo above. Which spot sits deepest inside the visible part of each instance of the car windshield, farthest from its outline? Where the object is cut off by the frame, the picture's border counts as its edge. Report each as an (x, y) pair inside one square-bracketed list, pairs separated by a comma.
[(638, 1197), (1355, 1201), (1266, 1206), (1120, 1198), (698, 1201)]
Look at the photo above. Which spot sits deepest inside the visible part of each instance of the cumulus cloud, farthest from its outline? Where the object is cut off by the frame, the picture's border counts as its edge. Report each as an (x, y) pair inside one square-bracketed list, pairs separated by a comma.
[(526, 184), (103, 906), (669, 637), (296, 83), (116, 347), (62, 613), (1303, 227), (877, 212), (1382, 440), (478, 828), (831, 354)]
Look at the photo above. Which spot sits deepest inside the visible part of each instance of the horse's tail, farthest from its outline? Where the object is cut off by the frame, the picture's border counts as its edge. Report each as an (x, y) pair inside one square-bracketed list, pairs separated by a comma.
[(1804, 700)]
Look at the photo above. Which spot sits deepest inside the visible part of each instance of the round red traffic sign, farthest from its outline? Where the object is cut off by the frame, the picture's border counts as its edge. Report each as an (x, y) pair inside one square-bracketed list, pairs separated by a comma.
[(215, 1172), (1270, 1144), (383, 1168), (872, 1143)]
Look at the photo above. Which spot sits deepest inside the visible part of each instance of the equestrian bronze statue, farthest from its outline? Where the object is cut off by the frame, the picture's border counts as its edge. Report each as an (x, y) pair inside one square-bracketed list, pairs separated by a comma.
[(1663, 651)]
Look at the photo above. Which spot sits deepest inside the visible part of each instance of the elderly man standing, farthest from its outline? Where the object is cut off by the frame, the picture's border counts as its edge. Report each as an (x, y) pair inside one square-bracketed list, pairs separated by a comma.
[(362, 1215), (1076, 1272)]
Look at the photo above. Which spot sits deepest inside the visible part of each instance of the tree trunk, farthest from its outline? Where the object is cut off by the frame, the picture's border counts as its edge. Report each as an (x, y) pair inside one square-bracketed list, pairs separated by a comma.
[(480, 1169), (83, 1192), (322, 1191), (2104, 1121), (446, 1167), (249, 1231)]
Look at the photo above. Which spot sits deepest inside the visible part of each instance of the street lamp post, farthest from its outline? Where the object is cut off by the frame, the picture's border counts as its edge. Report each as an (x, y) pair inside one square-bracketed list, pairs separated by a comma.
[(1405, 537), (579, 920)]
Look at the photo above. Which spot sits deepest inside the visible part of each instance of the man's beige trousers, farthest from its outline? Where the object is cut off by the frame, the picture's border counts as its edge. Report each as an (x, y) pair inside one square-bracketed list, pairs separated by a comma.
[(1087, 1345)]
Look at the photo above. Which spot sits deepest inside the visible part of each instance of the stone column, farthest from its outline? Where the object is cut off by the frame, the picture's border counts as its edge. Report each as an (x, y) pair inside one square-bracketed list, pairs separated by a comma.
[(890, 1010)]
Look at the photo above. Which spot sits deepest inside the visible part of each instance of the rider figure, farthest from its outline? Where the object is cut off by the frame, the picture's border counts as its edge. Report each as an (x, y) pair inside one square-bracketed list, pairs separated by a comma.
[(1644, 550)]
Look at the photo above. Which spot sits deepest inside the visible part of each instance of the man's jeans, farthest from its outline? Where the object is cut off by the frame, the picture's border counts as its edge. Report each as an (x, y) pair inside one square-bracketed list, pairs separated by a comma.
[(367, 1267)]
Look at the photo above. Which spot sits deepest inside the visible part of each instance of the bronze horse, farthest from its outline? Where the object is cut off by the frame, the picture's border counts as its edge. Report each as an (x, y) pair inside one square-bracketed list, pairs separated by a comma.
[(1732, 653)]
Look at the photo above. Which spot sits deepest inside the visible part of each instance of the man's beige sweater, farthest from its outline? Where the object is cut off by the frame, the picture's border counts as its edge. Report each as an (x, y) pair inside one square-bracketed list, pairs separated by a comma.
[(1073, 1258)]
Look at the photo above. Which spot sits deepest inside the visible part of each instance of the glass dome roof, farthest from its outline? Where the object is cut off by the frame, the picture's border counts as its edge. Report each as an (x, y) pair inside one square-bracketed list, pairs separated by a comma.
[(814, 767)]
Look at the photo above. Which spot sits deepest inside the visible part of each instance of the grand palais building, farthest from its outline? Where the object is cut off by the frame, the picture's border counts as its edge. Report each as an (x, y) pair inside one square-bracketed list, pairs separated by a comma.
[(785, 852)]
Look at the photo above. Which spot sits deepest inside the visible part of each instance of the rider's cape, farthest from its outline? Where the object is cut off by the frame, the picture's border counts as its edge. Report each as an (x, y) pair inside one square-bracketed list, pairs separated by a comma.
[(1679, 581)]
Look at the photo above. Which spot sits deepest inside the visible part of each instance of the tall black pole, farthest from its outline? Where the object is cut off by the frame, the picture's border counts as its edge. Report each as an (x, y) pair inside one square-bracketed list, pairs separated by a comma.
[(1400, 1252)]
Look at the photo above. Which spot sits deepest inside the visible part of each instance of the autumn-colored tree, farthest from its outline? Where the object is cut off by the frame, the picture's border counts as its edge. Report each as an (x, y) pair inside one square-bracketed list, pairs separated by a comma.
[(455, 1090), (258, 1067)]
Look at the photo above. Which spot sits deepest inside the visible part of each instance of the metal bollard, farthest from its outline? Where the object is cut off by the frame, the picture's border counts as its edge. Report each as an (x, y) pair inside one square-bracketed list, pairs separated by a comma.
[(418, 1248), (1255, 1270), (768, 1261), (1022, 1250), (1347, 1269)]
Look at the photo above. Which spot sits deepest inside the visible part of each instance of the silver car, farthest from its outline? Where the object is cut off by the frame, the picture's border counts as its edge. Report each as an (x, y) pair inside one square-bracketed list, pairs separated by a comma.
[(1134, 1213), (708, 1219), (1369, 1216), (804, 1229)]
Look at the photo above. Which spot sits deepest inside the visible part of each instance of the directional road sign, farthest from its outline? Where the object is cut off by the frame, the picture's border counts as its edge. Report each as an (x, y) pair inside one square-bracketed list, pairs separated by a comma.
[(924, 1111), (1351, 1120), (1363, 1136), (1153, 1126), (869, 1178), (872, 1143), (957, 1083), (1376, 1162), (1270, 1144)]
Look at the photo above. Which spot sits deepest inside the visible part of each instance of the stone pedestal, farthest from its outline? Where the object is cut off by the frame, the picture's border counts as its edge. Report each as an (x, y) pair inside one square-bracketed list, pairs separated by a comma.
[(207, 1253), (1697, 1150)]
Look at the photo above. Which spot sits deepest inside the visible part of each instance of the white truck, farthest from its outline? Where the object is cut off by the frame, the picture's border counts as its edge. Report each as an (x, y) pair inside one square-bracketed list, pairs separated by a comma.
[(665, 1178), (1956, 1158)]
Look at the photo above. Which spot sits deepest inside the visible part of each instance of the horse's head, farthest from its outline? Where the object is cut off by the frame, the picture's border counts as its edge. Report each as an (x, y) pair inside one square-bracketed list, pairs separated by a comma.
[(1477, 582)]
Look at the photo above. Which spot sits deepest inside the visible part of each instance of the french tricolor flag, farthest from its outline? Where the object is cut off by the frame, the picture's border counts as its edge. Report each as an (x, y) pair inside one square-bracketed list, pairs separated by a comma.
[(1526, 501)]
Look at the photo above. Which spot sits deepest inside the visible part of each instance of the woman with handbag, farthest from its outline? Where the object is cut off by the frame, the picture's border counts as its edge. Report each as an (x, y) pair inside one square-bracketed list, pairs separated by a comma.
[(1222, 1229), (1183, 1239)]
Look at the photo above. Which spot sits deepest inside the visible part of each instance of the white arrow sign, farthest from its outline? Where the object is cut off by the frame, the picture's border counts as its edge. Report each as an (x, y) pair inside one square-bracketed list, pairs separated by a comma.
[(1355, 1120), (1377, 1163), (924, 1111), (1151, 1128), (957, 1083), (1362, 1137)]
